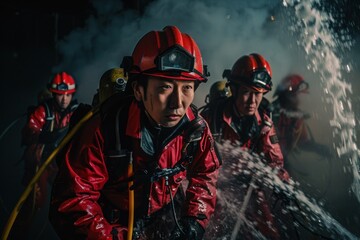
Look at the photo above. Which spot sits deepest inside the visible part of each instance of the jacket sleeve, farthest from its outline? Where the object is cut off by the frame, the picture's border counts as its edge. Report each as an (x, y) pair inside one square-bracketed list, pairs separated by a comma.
[(75, 212), (271, 148), (34, 126), (202, 176)]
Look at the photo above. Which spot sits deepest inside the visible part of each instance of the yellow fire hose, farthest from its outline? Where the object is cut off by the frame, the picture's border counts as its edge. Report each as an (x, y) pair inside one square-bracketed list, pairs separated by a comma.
[(36, 177), (131, 201)]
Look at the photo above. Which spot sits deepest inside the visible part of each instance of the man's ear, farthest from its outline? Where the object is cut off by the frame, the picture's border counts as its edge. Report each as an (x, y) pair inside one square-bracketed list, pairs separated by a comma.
[(138, 91)]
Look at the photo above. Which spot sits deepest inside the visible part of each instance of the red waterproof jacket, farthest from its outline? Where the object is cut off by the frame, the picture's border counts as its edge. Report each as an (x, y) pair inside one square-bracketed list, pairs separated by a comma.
[(292, 130), (38, 120), (266, 143), (44, 119), (86, 183)]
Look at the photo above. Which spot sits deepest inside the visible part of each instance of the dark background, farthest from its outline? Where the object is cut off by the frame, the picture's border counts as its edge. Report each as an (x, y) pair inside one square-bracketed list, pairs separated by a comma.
[(30, 34)]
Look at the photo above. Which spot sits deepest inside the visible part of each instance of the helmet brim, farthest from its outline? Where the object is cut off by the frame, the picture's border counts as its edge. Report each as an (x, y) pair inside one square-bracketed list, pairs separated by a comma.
[(63, 91), (183, 76)]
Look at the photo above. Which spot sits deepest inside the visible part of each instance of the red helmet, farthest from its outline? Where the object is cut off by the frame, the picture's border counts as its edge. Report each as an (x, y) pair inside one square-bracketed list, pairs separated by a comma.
[(168, 53), (62, 83), (292, 83), (252, 70)]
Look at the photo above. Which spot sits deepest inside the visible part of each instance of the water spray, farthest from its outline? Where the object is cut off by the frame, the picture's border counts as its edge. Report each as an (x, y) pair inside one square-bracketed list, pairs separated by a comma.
[(320, 44)]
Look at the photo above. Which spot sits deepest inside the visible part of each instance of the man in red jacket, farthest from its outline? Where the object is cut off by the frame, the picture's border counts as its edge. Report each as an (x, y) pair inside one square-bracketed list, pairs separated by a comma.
[(243, 120), (47, 124), (160, 134)]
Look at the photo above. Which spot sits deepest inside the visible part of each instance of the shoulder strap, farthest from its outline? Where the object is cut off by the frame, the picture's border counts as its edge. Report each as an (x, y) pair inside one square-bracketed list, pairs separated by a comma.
[(49, 115), (216, 115), (192, 135)]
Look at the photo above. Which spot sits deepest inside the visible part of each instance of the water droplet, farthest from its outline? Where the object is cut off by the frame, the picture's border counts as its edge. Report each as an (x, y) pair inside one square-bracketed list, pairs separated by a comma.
[(347, 68)]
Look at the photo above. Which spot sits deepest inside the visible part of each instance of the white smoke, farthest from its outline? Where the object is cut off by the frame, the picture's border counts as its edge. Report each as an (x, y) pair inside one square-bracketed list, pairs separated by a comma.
[(224, 31)]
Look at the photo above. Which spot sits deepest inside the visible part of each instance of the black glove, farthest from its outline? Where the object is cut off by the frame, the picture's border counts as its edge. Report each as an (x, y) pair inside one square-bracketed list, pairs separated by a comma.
[(190, 230)]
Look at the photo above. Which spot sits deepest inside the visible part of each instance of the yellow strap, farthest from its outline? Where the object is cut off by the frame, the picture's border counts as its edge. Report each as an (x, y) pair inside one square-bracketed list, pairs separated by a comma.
[(131, 201)]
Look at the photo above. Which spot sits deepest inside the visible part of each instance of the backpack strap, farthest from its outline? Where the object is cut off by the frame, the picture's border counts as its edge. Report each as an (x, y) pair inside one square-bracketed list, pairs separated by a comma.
[(49, 116), (215, 113)]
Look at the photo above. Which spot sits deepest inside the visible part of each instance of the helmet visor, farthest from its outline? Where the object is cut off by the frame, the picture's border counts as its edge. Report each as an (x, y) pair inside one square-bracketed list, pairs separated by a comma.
[(258, 79), (175, 58), (302, 87), (62, 87), (261, 79)]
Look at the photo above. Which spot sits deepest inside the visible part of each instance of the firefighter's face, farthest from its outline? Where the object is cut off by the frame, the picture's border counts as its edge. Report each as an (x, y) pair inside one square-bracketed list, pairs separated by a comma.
[(166, 99), (247, 100), (63, 100)]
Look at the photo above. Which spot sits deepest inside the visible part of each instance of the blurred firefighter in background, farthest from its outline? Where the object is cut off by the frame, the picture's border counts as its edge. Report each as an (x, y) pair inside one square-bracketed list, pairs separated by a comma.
[(297, 142), (46, 125), (293, 131)]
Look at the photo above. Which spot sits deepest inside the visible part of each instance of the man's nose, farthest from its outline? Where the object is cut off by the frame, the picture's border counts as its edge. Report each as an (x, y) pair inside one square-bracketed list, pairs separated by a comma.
[(175, 99), (253, 97)]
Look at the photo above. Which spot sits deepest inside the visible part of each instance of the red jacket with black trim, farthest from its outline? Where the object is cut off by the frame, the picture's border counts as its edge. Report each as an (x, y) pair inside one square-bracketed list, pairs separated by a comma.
[(84, 179)]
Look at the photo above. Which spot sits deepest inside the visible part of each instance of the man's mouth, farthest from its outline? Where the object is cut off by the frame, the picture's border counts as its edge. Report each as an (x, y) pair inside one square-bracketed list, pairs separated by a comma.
[(173, 116)]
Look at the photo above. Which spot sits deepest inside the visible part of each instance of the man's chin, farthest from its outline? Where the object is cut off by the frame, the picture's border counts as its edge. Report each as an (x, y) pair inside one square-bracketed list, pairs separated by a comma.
[(169, 123), (249, 113), (63, 107)]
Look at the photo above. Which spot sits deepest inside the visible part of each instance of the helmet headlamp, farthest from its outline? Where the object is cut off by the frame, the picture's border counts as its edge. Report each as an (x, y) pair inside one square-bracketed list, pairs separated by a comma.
[(175, 58), (62, 87), (261, 79)]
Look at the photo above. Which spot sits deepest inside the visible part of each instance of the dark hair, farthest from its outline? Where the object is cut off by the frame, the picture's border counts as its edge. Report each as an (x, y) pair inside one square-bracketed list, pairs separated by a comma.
[(141, 79)]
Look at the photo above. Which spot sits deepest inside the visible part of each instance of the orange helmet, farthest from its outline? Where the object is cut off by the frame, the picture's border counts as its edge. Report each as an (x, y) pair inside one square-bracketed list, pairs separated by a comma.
[(251, 70), (62, 83), (168, 53), (292, 83)]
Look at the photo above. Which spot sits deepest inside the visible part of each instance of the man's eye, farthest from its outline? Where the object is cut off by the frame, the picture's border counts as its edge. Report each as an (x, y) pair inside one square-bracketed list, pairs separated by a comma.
[(165, 87), (188, 87)]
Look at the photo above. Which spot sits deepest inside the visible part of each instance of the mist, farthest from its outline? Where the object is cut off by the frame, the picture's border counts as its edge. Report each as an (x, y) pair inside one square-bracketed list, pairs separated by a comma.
[(223, 30)]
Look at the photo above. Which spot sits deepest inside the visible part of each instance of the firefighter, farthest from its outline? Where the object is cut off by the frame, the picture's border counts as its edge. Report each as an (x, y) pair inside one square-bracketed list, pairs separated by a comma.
[(296, 139), (240, 121), (290, 120), (156, 130), (47, 124)]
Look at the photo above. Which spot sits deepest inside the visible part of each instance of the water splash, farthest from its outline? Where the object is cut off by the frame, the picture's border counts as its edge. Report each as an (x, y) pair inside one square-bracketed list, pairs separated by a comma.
[(320, 45), (304, 211)]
